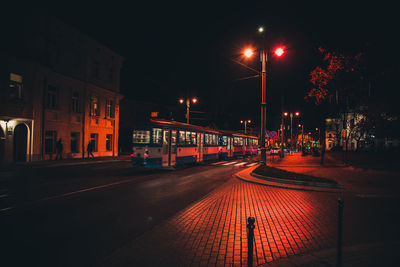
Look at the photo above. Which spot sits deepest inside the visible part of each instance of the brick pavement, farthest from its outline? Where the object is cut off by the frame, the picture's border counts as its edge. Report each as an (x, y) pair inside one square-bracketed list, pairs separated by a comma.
[(212, 231)]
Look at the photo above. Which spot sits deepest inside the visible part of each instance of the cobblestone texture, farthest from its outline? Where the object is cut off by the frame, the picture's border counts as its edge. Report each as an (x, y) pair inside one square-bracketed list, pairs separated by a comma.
[(212, 231)]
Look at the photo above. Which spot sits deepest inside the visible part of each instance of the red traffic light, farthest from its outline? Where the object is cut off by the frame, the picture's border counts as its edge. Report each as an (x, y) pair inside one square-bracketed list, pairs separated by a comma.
[(279, 51)]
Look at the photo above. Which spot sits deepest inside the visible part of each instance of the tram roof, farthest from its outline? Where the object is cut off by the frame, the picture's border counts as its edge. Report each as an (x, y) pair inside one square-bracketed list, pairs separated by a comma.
[(167, 123)]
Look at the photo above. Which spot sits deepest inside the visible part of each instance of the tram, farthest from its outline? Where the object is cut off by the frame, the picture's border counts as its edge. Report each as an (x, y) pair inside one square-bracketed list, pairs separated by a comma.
[(162, 144)]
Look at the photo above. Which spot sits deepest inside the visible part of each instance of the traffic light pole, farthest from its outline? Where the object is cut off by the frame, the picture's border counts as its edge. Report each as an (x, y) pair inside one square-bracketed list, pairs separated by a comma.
[(263, 106)]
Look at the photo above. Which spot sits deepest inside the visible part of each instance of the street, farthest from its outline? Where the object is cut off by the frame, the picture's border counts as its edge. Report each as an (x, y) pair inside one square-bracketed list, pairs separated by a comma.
[(110, 214)]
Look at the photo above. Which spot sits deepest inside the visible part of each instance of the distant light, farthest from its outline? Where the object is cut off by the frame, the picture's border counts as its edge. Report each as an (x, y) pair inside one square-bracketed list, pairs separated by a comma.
[(299, 125), (260, 29), (181, 101), (249, 121), (194, 100), (297, 113), (248, 52), (241, 121), (285, 114), (279, 51)]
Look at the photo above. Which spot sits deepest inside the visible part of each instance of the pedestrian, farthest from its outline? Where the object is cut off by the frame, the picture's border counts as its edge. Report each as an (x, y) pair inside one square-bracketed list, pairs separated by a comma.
[(59, 149), (90, 149)]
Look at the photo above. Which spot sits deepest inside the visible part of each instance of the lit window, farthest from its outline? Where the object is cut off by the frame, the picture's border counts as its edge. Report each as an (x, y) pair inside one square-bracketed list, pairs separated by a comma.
[(182, 137), (188, 141), (141, 137), (157, 136), (110, 108), (15, 86), (94, 106), (193, 136)]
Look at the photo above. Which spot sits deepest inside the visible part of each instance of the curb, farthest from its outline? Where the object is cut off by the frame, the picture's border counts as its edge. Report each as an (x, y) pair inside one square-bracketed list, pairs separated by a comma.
[(304, 183), (245, 175)]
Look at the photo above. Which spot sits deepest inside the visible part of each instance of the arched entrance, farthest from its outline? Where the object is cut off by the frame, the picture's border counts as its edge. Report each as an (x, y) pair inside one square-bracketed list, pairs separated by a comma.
[(2, 144), (20, 142)]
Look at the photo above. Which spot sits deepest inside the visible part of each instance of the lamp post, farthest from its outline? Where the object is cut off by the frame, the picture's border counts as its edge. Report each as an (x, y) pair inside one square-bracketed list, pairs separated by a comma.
[(291, 124), (194, 101), (302, 137), (245, 124), (263, 57)]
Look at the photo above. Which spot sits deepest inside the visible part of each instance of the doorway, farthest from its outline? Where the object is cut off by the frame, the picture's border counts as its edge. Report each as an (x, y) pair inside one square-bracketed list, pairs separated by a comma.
[(20, 142)]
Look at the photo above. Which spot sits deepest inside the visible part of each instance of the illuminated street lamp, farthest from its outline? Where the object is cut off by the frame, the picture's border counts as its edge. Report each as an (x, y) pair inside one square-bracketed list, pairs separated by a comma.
[(297, 114), (245, 124), (194, 101), (264, 57)]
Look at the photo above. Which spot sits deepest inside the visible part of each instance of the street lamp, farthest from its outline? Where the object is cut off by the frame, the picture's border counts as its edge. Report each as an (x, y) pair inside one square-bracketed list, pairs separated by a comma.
[(194, 101), (297, 114), (245, 124), (302, 137), (263, 57)]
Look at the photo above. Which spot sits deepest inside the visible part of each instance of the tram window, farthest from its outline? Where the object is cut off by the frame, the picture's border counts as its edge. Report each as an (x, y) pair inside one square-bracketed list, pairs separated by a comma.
[(193, 136), (141, 137), (188, 141), (215, 139), (224, 140), (206, 139), (157, 136), (182, 137)]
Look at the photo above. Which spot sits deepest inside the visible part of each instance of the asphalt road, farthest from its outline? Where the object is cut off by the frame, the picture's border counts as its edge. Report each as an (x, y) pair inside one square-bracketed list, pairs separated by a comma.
[(78, 215)]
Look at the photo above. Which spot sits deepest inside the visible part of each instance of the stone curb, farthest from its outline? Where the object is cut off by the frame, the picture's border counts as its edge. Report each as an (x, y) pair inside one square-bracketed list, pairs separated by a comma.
[(245, 175), (304, 183)]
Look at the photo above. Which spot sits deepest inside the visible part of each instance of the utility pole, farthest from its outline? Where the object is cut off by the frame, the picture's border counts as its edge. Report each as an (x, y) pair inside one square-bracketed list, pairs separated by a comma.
[(263, 105)]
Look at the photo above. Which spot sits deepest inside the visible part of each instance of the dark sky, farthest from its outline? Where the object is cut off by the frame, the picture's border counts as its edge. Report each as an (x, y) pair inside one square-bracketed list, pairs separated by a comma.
[(174, 50)]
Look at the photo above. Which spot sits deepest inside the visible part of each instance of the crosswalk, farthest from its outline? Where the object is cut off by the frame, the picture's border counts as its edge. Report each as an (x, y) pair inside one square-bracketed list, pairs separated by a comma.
[(236, 163)]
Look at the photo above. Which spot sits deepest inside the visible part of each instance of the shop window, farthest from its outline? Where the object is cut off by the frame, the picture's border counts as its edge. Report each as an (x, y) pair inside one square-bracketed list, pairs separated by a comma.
[(50, 142), (16, 86), (75, 142), (141, 137), (109, 142), (94, 138)]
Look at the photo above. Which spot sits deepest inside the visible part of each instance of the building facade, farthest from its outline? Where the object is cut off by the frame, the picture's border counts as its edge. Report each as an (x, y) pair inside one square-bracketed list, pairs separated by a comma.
[(60, 85)]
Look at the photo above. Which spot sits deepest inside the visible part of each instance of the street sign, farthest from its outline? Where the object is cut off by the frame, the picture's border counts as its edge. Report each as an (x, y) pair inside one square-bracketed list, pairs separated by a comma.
[(273, 135)]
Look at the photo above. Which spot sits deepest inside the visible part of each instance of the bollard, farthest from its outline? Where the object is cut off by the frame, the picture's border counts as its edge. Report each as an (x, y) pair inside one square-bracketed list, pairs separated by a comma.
[(250, 238), (340, 223)]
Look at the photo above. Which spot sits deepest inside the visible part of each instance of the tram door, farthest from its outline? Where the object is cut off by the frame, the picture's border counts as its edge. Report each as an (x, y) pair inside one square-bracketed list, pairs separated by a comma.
[(230, 150), (200, 137), (169, 148), (172, 160)]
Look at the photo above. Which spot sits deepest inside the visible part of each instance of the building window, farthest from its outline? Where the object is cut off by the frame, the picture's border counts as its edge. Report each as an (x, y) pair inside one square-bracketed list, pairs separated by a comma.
[(51, 96), (94, 106), (109, 142), (50, 142), (157, 136), (141, 137), (75, 102), (110, 110), (75, 142), (15, 86), (94, 138)]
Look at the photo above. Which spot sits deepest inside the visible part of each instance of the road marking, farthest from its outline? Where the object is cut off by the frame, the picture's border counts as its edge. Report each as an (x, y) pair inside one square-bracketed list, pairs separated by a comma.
[(229, 163), (377, 196), (240, 163), (252, 164), (217, 163), (8, 208)]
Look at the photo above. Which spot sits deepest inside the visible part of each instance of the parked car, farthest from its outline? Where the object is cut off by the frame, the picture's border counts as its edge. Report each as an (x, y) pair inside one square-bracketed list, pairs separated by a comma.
[(275, 151)]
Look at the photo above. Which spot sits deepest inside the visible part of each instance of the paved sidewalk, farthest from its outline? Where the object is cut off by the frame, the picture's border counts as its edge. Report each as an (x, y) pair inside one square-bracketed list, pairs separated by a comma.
[(212, 231)]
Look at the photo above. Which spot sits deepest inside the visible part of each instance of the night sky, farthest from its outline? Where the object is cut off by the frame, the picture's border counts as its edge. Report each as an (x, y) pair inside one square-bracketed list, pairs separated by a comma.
[(178, 50)]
